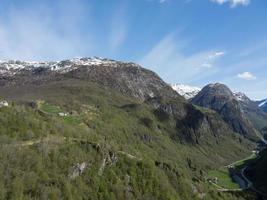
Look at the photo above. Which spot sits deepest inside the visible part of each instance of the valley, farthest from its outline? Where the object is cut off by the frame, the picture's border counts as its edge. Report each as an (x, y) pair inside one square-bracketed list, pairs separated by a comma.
[(112, 130), (133, 100)]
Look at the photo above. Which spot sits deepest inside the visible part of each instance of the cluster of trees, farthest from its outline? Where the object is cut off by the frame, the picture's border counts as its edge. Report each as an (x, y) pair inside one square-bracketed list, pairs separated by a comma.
[(38, 153)]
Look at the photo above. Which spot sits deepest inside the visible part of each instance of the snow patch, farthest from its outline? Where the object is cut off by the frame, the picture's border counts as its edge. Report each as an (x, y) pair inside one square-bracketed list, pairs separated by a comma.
[(241, 97), (185, 90), (262, 103), (11, 67)]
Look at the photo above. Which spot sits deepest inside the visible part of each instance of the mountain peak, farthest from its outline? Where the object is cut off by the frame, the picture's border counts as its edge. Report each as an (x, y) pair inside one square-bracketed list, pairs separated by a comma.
[(220, 98), (218, 89)]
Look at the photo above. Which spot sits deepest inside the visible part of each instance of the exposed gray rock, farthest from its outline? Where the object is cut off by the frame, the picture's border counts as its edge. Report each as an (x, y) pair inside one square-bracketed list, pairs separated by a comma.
[(220, 98), (78, 169), (126, 77), (110, 159)]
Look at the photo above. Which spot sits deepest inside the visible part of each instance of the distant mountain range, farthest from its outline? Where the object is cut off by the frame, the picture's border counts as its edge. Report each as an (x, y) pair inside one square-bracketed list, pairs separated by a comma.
[(255, 111), (189, 92)]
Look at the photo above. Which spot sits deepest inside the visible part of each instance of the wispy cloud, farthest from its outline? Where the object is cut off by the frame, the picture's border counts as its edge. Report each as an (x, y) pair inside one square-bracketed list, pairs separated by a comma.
[(35, 33), (168, 58), (233, 3), (212, 58), (255, 49), (159, 1), (118, 29)]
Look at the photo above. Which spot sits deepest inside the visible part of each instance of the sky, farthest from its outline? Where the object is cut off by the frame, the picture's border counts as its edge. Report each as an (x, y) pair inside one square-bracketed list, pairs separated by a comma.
[(193, 42)]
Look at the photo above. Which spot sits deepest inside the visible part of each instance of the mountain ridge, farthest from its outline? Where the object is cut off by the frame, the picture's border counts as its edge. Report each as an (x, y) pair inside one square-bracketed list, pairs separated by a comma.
[(107, 72)]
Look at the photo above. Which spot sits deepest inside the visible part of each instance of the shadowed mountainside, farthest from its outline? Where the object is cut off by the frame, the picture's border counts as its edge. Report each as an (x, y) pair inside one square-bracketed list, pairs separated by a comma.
[(219, 97)]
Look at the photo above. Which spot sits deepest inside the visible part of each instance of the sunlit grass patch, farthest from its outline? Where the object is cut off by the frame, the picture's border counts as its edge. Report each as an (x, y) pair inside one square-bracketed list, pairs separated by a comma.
[(223, 177), (73, 120), (244, 161), (45, 107)]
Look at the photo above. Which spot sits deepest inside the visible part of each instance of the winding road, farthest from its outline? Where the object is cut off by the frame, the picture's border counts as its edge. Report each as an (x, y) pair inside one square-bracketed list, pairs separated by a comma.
[(249, 183), (241, 178)]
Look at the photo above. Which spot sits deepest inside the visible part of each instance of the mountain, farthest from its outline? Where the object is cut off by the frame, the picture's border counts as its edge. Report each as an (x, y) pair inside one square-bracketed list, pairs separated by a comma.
[(94, 128), (253, 110), (221, 99), (128, 78), (186, 91), (27, 80)]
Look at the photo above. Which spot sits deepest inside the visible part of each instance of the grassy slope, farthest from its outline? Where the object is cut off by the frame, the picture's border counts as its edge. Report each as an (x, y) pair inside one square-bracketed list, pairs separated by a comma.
[(117, 124)]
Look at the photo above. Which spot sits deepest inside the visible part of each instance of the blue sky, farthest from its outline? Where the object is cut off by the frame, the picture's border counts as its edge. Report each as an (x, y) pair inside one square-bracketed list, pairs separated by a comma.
[(193, 42)]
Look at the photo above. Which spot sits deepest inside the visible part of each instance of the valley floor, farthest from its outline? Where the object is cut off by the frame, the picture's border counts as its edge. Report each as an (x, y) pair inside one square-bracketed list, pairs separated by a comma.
[(233, 178)]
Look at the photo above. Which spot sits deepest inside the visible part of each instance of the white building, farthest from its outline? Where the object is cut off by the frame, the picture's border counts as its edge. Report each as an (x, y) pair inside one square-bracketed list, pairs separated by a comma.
[(61, 114), (3, 103)]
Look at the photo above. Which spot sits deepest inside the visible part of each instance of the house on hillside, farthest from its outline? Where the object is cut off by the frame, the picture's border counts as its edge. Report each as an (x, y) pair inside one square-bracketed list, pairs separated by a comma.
[(61, 114), (3, 103)]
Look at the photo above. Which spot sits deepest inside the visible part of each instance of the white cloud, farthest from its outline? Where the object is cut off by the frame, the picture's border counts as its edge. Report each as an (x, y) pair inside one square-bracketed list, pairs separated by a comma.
[(246, 76), (233, 3), (216, 55), (211, 59)]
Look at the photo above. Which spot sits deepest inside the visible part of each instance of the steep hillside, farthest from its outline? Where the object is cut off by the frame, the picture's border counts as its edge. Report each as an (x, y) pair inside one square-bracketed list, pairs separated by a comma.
[(102, 129), (253, 110), (262, 105), (127, 78), (257, 173), (220, 98)]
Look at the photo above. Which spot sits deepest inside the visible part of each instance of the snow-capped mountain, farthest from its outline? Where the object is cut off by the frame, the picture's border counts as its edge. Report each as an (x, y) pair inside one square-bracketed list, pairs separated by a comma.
[(125, 77), (186, 91), (12, 67), (221, 99), (246, 101)]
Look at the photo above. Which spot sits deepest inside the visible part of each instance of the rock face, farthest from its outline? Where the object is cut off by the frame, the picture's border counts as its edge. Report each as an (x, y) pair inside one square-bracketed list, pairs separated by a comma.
[(192, 124), (127, 78), (78, 169), (219, 97), (254, 110)]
